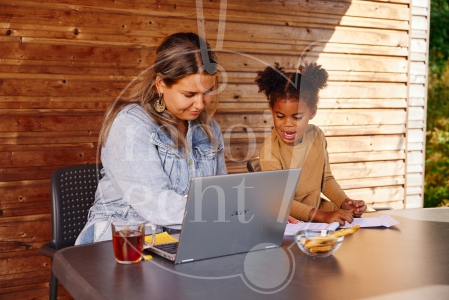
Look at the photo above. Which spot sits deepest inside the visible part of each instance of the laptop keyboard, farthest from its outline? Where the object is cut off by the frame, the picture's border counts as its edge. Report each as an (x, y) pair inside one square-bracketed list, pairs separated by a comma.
[(169, 248)]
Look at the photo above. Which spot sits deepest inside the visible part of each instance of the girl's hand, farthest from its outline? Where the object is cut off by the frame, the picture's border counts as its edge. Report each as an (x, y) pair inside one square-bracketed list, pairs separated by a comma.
[(340, 216), (292, 220), (357, 207)]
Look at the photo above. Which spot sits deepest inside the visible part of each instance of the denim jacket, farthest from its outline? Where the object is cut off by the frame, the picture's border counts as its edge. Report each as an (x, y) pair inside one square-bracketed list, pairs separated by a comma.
[(144, 178)]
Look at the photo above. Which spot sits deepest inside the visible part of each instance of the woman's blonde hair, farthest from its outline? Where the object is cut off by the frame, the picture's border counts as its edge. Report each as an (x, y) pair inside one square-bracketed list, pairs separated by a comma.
[(178, 56)]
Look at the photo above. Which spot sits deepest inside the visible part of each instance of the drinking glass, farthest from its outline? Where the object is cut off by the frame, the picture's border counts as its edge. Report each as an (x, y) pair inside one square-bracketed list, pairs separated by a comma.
[(127, 240)]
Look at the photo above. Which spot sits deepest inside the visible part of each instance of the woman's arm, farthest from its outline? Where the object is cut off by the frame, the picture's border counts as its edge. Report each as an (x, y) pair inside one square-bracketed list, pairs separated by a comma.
[(135, 168)]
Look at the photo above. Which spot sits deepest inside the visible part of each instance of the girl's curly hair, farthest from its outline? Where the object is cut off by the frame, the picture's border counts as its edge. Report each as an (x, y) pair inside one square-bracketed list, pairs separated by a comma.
[(304, 85)]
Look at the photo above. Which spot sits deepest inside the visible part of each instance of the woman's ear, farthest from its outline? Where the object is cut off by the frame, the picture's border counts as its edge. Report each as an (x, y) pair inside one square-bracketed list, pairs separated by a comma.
[(160, 85), (313, 112)]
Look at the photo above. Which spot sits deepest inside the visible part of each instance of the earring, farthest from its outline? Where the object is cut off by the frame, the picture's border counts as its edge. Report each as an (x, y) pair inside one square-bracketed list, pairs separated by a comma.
[(159, 105)]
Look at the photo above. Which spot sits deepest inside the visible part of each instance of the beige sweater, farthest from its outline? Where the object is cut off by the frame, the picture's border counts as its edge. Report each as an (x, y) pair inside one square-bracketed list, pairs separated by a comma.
[(310, 155)]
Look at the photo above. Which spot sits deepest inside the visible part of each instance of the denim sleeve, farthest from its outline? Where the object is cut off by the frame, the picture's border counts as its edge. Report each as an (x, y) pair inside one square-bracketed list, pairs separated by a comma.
[(135, 169), (221, 165)]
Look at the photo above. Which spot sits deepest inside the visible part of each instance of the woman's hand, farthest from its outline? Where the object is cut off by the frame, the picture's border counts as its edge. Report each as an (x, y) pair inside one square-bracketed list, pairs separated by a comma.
[(340, 216), (357, 207)]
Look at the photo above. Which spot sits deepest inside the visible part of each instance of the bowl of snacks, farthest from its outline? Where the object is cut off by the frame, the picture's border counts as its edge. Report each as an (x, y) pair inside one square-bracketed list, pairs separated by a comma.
[(322, 243)]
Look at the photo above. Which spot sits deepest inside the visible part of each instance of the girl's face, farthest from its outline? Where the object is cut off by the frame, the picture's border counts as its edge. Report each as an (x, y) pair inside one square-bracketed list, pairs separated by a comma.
[(189, 96), (291, 119)]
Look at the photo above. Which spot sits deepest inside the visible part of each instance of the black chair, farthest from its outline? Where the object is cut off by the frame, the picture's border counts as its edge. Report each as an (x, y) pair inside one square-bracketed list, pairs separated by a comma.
[(73, 193), (253, 165)]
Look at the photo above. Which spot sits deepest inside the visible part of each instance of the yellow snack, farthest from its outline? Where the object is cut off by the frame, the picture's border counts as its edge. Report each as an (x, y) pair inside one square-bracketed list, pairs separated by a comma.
[(346, 231), (319, 242), (320, 249)]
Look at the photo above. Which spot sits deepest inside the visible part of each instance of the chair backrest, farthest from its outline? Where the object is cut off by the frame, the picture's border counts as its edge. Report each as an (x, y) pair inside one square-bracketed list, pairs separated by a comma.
[(73, 193), (253, 165)]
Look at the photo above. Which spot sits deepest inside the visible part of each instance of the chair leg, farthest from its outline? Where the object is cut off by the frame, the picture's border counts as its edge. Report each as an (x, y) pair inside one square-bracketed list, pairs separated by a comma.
[(53, 287)]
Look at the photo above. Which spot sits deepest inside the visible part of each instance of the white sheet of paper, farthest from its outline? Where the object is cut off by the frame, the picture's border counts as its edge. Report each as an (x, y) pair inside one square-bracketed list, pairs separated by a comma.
[(292, 228), (384, 220)]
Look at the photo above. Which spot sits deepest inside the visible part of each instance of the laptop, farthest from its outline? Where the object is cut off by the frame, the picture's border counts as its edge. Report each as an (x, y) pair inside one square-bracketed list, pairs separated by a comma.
[(234, 213)]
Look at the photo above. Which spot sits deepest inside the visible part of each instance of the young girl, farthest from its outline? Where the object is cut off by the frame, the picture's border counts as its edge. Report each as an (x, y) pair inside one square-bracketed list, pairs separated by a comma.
[(158, 138), (294, 143)]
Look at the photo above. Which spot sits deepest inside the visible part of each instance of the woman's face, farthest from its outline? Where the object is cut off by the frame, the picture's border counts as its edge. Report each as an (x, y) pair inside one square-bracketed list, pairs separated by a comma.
[(291, 119), (189, 96)]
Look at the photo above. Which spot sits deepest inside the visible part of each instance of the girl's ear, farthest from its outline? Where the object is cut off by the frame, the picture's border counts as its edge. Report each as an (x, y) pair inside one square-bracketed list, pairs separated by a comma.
[(160, 85), (313, 112)]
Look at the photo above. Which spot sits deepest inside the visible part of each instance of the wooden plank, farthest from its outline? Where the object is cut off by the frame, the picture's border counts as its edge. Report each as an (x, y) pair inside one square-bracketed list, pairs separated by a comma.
[(368, 169), (416, 113), (414, 201), (415, 168), (25, 237), (420, 23), (419, 57), (416, 124), (249, 92), (359, 117), (243, 133), (415, 146), (363, 130), (416, 136), (418, 68), (418, 45), (414, 190), (359, 9), (415, 157), (346, 146), (414, 179), (35, 292), (420, 11), (36, 138), (370, 143), (20, 262), (16, 246), (55, 88), (369, 182), (366, 156), (48, 157), (331, 62), (234, 30), (412, 101), (419, 34), (24, 194), (418, 79), (11, 280), (420, 3), (233, 105), (29, 173), (324, 118), (49, 123), (366, 143), (378, 195)]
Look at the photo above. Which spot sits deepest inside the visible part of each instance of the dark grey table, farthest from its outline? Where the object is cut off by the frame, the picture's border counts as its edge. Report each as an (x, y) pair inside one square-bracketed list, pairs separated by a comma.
[(407, 261)]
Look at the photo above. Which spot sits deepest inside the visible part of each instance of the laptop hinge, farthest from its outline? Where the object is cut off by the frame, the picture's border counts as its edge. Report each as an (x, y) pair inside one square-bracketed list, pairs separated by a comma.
[(272, 246), (186, 260)]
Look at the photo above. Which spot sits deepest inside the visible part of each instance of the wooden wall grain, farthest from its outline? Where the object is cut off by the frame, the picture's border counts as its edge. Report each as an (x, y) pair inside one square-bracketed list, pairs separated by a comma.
[(62, 62)]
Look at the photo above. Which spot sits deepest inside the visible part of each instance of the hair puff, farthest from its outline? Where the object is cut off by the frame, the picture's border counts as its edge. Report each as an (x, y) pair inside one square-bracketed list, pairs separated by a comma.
[(314, 74), (270, 79)]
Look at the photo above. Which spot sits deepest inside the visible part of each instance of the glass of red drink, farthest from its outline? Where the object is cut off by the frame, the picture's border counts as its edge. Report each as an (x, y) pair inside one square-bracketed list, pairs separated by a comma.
[(127, 240)]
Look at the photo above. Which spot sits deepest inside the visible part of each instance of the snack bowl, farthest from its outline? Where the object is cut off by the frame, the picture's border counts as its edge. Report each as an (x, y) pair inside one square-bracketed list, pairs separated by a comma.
[(318, 243)]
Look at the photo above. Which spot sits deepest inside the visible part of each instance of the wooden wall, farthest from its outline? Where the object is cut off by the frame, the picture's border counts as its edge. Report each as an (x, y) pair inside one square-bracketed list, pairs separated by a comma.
[(62, 62)]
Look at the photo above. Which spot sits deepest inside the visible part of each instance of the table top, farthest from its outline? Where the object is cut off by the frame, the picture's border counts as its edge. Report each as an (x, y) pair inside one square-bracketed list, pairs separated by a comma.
[(407, 261)]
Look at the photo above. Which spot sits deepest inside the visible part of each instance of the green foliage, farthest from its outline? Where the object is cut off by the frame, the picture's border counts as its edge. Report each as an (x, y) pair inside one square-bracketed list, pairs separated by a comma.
[(436, 186), (439, 35)]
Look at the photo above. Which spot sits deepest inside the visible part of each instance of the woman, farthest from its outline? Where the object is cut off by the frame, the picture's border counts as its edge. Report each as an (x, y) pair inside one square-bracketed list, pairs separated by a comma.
[(157, 139)]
